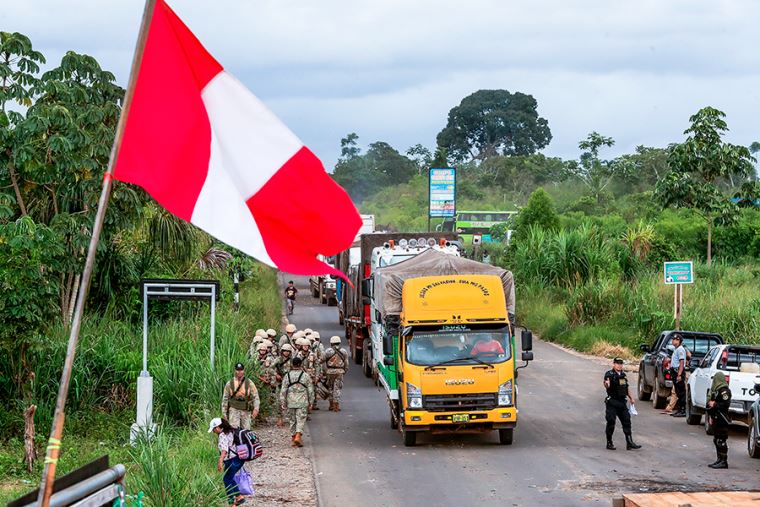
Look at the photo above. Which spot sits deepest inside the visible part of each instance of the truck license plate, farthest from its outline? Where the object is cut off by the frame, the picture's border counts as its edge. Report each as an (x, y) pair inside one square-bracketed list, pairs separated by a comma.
[(460, 418)]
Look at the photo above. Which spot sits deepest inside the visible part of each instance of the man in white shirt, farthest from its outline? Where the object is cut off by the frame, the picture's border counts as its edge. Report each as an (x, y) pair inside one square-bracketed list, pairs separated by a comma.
[(678, 374)]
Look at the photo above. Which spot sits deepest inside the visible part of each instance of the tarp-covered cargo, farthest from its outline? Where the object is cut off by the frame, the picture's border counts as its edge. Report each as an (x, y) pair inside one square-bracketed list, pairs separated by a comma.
[(389, 281)]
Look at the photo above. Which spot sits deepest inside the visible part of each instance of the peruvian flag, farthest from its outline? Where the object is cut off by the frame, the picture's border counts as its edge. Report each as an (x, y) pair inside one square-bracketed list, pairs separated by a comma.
[(211, 153)]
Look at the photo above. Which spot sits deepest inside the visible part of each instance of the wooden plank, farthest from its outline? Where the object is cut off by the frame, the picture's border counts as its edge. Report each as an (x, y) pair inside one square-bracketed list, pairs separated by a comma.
[(702, 499)]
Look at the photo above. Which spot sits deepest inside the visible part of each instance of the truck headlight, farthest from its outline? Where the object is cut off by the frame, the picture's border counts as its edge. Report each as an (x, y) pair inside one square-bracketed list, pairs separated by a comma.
[(413, 396), (505, 394)]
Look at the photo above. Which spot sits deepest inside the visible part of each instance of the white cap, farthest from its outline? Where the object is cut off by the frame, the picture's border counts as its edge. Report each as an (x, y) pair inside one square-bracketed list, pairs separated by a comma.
[(215, 423)]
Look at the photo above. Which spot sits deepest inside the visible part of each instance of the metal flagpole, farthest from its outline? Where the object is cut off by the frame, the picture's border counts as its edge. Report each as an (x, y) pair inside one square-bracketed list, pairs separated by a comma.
[(54, 443)]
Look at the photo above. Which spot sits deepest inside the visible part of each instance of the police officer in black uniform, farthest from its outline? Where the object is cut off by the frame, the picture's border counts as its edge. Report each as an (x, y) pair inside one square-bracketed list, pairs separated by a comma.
[(616, 384), (718, 418)]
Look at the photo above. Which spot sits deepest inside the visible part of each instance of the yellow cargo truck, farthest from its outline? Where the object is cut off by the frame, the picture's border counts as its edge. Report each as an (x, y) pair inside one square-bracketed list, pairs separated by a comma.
[(448, 353)]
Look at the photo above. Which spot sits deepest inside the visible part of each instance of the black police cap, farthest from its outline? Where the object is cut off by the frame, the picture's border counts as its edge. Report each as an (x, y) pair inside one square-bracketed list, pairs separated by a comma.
[(239, 366), (618, 360)]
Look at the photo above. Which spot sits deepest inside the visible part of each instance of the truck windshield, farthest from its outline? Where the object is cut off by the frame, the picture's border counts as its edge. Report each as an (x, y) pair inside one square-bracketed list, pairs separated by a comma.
[(389, 261), (427, 349)]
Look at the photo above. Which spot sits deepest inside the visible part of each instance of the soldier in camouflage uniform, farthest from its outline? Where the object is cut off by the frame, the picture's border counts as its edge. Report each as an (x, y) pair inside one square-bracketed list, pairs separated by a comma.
[(253, 349), (335, 362), (318, 350), (281, 367), (240, 400), (308, 361), (290, 330), (297, 395)]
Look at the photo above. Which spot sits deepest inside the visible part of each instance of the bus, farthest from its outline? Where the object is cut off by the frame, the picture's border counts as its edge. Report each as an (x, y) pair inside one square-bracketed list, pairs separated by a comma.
[(470, 223)]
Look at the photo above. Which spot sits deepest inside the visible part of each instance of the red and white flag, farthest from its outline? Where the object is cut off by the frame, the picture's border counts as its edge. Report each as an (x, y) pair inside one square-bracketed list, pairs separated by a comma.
[(211, 153)]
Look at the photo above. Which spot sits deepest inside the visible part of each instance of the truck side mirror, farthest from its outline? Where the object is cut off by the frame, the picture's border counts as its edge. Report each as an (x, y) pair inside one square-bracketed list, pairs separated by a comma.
[(694, 363), (757, 388), (527, 356), (527, 340), (367, 287), (387, 344)]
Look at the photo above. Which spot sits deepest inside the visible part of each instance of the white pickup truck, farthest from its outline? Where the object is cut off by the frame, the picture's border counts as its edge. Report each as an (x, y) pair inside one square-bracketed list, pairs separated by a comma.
[(740, 364)]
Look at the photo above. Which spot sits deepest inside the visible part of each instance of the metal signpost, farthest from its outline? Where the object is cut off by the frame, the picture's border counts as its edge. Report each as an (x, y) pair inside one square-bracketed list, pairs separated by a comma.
[(678, 273), (167, 290), (442, 193)]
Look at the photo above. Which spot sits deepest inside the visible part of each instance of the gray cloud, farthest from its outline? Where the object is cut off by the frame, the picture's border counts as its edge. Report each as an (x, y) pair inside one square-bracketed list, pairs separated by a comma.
[(391, 70)]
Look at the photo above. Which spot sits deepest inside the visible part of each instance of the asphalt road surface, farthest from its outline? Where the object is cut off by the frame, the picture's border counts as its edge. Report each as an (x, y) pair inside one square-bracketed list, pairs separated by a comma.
[(558, 457)]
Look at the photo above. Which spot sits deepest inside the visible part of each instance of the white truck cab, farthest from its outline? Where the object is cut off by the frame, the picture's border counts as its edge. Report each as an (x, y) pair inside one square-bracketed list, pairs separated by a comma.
[(391, 253), (741, 366)]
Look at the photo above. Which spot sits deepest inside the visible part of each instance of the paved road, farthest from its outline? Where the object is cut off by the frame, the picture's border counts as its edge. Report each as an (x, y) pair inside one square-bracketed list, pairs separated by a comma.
[(558, 457)]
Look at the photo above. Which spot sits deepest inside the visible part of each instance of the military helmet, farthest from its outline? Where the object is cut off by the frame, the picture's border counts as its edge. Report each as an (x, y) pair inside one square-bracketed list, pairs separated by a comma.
[(299, 334), (335, 340), (261, 332), (300, 342), (268, 344), (257, 339), (315, 335), (307, 331), (271, 332), (290, 328), (287, 347), (261, 346)]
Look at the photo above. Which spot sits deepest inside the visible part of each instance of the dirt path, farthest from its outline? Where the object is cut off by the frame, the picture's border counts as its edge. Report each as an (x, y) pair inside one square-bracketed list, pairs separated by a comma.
[(283, 475)]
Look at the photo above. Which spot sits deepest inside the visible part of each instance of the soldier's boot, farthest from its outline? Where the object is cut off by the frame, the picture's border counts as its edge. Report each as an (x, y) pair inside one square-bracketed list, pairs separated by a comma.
[(293, 441), (332, 406), (280, 423), (337, 406), (630, 444), (610, 445), (721, 448), (297, 440), (315, 407)]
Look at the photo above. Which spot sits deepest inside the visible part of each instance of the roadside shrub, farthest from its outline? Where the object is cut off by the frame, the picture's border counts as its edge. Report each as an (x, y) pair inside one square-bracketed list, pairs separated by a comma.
[(592, 302)]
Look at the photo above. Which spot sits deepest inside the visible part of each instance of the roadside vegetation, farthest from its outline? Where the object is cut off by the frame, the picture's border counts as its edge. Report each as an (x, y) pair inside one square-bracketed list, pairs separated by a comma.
[(56, 130), (592, 232)]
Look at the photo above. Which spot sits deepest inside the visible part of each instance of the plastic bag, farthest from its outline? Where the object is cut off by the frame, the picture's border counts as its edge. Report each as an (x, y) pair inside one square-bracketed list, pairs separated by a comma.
[(244, 482), (632, 410)]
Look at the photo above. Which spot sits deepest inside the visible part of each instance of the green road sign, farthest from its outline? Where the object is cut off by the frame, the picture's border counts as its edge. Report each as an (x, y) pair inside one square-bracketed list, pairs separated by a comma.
[(679, 272)]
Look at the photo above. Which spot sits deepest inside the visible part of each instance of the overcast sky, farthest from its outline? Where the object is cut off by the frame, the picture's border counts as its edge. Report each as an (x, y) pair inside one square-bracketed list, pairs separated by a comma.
[(391, 70)]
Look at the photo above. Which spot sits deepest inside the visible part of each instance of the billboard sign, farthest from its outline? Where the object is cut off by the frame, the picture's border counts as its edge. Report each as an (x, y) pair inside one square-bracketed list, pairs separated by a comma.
[(443, 191)]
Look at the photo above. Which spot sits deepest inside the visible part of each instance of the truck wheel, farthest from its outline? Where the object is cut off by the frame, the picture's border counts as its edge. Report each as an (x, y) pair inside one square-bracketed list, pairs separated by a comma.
[(753, 449), (708, 428), (506, 436), (332, 302), (366, 365), (658, 401), (314, 293), (341, 321), (643, 394), (358, 354), (322, 298), (394, 421), (410, 438), (691, 417)]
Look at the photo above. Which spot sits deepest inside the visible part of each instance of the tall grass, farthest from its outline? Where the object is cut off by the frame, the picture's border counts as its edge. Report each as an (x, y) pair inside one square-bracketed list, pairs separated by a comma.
[(580, 287)]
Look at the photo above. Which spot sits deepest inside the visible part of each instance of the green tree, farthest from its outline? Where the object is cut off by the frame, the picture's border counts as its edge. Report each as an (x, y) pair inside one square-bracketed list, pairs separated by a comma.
[(697, 164), (349, 148), (494, 122), (642, 169), (595, 173), (19, 64), (381, 166), (421, 157), (538, 213)]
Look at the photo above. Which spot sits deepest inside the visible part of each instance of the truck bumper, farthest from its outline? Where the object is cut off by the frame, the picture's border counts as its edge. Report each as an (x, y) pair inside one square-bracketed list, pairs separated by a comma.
[(498, 418)]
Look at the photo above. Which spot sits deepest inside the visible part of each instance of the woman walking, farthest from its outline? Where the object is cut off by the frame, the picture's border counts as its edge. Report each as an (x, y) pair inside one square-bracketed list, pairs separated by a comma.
[(229, 463)]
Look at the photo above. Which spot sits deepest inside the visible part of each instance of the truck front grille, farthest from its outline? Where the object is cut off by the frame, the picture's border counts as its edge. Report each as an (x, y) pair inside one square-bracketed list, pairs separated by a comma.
[(459, 402)]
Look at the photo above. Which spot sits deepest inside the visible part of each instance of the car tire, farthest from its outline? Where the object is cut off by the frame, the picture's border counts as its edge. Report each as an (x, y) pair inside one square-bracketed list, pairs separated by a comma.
[(410, 437), (753, 448), (708, 428), (643, 395), (506, 436), (691, 417), (658, 401)]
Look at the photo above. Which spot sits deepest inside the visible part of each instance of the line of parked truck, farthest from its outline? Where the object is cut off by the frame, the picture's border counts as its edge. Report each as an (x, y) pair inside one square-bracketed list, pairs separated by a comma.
[(709, 354), (434, 329)]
